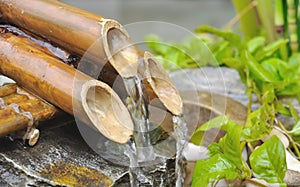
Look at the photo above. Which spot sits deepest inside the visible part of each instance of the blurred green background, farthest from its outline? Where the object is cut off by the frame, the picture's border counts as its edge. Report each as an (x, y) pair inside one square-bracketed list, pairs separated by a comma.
[(185, 13)]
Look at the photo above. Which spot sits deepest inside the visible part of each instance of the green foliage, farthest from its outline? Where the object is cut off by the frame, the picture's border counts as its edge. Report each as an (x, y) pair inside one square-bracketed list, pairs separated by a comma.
[(268, 72), (225, 156), (268, 161), (208, 171), (189, 54)]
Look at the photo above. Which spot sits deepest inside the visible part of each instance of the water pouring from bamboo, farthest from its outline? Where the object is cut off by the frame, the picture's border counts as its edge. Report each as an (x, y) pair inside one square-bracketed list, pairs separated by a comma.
[(108, 50), (53, 81), (112, 45)]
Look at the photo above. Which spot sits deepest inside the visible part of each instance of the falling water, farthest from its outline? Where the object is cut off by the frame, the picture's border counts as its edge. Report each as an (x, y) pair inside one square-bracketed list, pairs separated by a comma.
[(180, 132), (140, 149)]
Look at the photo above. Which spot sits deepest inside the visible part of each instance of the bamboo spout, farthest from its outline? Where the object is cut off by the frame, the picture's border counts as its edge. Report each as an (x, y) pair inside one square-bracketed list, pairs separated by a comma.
[(110, 110), (51, 20), (104, 42), (54, 81), (159, 85)]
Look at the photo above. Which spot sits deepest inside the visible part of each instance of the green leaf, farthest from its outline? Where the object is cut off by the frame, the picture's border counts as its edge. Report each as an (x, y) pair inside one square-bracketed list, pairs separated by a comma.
[(294, 61), (270, 49), (294, 113), (197, 50), (255, 43), (268, 93), (268, 162), (280, 108), (226, 156), (296, 129), (276, 67), (256, 69), (220, 122), (231, 37), (257, 125), (230, 143), (233, 63), (208, 171)]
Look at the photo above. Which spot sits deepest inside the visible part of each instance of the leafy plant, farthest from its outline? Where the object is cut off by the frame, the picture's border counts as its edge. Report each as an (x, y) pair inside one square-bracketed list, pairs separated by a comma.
[(226, 161), (267, 60)]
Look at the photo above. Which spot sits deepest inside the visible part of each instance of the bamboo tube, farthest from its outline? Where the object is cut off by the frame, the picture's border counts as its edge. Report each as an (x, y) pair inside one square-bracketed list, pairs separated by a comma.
[(160, 84), (7, 89), (98, 39), (11, 121), (53, 19), (20, 112), (43, 45), (54, 81)]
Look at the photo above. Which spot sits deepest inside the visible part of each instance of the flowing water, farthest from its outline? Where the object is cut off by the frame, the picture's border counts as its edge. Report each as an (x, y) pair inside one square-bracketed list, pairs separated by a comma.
[(180, 132), (140, 149)]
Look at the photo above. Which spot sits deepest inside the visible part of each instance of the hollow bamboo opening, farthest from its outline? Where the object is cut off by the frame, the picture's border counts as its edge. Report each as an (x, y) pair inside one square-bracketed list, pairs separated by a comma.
[(103, 106), (161, 84), (121, 52)]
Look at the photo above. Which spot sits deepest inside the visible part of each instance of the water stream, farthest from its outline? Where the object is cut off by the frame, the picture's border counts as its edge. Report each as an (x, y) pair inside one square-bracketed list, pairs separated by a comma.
[(180, 133), (140, 151), (140, 148)]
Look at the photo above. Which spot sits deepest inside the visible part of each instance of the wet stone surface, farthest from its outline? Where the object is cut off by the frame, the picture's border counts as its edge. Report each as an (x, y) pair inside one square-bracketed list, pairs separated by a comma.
[(224, 81), (62, 158)]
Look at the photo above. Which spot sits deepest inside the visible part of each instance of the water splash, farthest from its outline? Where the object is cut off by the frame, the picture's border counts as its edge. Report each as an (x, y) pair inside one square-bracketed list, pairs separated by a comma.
[(180, 132), (140, 149), (2, 103)]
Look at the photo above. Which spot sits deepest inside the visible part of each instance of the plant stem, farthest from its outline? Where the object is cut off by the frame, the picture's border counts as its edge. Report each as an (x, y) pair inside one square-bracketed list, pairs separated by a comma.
[(279, 27), (249, 22), (238, 16), (292, 25), (289, 137), (266, 16), (279, 17), (298, 21)]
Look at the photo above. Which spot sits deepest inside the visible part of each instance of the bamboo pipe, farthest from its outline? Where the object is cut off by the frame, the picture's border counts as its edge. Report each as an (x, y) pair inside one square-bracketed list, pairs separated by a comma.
[(20, 112), (53, 81), (7, 89), (53, 19), (159, 85), (12, 121), (104, 39), (44, 45)]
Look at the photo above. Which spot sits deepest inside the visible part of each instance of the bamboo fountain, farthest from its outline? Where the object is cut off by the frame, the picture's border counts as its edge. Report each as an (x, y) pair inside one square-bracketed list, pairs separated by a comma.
[(84, 29), (88, 92)]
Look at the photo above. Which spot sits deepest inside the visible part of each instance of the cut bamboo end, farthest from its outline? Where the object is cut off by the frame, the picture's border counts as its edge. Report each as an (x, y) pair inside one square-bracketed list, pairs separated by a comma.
[(119, 49), (54, 81), (161, 84), (106, 111)]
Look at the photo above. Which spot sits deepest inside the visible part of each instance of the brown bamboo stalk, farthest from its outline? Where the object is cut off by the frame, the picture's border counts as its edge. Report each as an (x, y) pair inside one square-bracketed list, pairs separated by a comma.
[(11, 121), (7, 89), (159, 84), (62, 85), (20, 113), (53, 19), (105, 42)]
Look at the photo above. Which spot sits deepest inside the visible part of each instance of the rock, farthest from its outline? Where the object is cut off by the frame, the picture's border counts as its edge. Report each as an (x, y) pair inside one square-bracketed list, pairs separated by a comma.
[(220, 80), (61, 157)]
